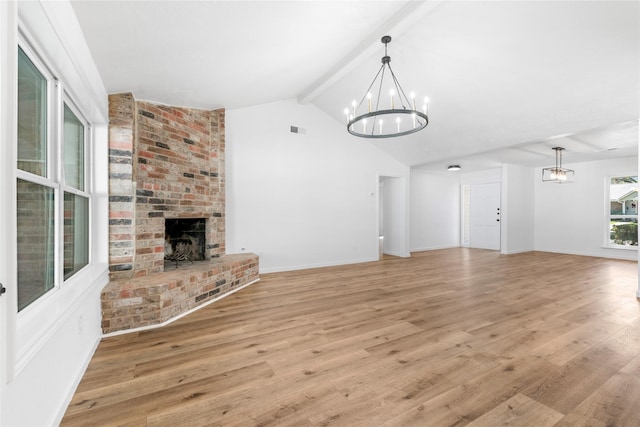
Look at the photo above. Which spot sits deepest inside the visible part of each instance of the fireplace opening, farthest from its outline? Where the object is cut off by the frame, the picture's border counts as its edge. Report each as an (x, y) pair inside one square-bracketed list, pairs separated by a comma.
[(184, 240)]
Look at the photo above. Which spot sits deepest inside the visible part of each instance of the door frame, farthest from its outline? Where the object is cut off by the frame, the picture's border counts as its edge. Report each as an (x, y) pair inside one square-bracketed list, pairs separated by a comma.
[(465, 217), (393, 210)]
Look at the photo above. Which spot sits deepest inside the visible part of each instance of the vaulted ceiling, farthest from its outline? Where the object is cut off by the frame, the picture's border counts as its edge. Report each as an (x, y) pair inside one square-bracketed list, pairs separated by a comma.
[(507, 80)]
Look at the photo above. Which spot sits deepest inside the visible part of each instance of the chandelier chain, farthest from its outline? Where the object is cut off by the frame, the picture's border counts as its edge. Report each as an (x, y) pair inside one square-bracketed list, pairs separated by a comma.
[(371, 85), (399, 89)]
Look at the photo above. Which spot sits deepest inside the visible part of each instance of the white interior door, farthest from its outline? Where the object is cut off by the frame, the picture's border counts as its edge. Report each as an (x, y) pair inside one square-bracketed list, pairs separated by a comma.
[(484, 216)]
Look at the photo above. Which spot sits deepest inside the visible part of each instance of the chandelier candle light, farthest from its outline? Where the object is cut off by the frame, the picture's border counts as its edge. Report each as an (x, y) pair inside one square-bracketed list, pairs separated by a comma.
[(557, 174), (382, 120)]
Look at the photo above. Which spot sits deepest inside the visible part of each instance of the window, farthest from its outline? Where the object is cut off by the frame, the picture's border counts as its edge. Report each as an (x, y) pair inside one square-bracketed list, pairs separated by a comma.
[(622, 208), (35, 192), (35, 241), (52, 198), (32, 117), (76, 202)]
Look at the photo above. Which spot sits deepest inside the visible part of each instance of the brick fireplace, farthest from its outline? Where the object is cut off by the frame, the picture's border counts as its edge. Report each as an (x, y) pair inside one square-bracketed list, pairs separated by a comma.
[(166, 166)]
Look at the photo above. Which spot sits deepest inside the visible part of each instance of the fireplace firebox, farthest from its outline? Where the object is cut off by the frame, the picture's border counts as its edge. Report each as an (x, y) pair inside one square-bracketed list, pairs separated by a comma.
[(185, 239)]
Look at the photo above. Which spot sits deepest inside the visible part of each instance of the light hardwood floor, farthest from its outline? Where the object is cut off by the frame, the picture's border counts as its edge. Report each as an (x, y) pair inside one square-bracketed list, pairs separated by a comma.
[(445, 338)]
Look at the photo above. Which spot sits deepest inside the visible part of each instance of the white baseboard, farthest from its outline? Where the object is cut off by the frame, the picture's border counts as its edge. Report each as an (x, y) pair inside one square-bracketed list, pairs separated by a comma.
[(315, 265), (434, 248), (621, 255), (398, 254), (519, 251)]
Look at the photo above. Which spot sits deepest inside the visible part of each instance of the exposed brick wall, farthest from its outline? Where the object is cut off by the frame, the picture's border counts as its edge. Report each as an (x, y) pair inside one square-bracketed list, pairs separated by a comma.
[(121, 188), (177, 176), (165, 162), (217, 231)]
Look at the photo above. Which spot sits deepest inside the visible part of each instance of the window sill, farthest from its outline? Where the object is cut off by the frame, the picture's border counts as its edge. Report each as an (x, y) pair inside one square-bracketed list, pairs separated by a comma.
[(623, 248)]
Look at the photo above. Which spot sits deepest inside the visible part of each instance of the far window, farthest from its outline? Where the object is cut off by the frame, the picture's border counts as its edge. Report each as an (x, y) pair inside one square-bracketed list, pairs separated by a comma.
[(622, 221), (73, 150), (76, 201)]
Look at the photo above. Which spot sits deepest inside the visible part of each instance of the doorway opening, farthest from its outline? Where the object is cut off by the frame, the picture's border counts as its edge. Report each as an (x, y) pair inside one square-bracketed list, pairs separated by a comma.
[(393, 232)]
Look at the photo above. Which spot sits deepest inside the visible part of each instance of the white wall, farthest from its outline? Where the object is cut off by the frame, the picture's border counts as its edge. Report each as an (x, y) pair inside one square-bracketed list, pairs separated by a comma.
[(482, 177), (569, 218), (8, 40), (46, 348), (516, 214), (301, 200), (435, 210)]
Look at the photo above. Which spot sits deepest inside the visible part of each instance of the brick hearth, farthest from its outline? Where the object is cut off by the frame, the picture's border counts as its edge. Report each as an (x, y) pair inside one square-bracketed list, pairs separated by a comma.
[(157, 298), (165, 162)]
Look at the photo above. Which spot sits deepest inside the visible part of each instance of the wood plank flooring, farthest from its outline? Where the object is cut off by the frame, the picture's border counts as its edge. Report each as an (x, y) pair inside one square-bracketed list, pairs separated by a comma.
[(445, 338)]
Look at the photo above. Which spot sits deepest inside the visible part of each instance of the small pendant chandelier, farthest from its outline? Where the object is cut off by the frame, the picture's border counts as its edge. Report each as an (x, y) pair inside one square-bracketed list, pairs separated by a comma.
[(557, 174), (396, 115)]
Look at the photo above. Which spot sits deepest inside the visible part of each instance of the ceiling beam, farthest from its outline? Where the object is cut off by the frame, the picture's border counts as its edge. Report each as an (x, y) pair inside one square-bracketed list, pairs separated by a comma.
[(404, 18)]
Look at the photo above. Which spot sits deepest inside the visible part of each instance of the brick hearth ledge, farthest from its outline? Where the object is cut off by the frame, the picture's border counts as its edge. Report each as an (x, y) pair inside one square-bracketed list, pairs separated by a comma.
[(150, 301)]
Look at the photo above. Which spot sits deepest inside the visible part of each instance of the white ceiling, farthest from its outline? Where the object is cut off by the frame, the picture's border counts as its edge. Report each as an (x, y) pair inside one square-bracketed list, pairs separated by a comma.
[(507, 80)]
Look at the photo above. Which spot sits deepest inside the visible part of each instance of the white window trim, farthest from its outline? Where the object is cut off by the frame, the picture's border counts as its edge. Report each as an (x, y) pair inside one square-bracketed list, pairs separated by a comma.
[(88, 188), (51, 179), (37, 322), (607, 214)]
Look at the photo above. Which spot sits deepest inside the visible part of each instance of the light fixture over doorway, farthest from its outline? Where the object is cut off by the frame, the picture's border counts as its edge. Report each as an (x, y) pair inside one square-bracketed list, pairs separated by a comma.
[(385, 117), (453, 168), (557, 174)]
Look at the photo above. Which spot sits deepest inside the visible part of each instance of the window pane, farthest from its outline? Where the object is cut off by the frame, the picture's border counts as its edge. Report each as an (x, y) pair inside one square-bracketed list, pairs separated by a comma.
[(623, 231), (32, 117), (76, 233), (35, 218), (623, 195), (73, 150)]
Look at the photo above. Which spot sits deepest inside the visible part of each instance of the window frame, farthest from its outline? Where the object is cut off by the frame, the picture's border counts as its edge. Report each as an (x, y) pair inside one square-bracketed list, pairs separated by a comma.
[(608, 217), (65, 188), (50, 119), (57, 99), (50, 178)]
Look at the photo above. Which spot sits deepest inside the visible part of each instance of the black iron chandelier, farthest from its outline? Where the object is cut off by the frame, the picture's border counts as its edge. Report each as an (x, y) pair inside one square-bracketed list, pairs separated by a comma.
[(379, 118), (557, 174)]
